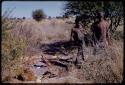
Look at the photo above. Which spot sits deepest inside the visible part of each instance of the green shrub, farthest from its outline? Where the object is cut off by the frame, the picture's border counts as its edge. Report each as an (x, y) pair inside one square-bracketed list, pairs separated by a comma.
[(38, 15)]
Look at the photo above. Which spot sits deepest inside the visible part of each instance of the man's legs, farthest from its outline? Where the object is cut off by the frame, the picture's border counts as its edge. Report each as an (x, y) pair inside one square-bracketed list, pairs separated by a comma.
[(80, 55)]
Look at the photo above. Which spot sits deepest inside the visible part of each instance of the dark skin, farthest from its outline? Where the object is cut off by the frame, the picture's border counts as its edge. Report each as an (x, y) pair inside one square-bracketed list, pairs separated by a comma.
[(100, 31), (74, 34), (78, 39)]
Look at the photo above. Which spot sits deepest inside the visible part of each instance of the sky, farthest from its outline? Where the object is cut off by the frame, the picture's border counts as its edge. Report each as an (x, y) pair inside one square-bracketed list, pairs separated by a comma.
[(25, 8)]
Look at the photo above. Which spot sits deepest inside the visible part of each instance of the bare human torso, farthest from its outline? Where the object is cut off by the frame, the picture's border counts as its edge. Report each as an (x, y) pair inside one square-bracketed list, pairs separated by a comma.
[(104, 26)]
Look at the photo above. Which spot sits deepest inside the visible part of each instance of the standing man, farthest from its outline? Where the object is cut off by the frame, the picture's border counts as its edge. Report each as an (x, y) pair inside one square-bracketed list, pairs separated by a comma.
[(77, 35), (100, 30)]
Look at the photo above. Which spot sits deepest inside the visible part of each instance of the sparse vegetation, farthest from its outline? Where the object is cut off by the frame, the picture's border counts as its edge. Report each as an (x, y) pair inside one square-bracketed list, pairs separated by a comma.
[(42, 52), (12, 48)]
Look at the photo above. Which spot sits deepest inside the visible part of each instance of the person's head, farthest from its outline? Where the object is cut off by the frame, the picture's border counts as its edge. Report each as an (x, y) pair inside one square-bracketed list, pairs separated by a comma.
[(100, 15)]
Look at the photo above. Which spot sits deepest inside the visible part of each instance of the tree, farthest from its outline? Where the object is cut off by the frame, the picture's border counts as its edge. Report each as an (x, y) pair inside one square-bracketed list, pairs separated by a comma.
[(49, 17), (112, 10), (38, 15), (24, 18)]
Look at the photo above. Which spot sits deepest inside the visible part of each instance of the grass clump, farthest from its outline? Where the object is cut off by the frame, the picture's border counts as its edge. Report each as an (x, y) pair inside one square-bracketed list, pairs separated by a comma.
[(12, 49)]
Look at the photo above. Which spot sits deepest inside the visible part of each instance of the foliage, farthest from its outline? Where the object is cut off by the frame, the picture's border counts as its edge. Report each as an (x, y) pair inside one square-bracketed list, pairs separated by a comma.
[(118, 35), (38, 15), (24, 18), (113, 11), (49, 17)]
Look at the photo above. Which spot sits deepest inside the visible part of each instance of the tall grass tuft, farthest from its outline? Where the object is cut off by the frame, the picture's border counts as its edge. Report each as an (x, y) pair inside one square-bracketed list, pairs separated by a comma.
[(12, 48)]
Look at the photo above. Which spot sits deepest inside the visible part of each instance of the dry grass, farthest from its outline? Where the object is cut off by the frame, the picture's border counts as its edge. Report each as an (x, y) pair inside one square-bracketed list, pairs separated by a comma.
[(105, 67)]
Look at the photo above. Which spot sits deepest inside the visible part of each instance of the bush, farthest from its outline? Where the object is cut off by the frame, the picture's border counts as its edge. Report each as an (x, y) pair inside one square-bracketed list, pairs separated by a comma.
[(118, 35), (49, 17), (38, 15), (24, 18)]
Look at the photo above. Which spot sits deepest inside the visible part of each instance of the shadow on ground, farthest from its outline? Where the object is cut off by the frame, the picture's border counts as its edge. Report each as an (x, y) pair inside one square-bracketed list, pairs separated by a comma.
[(62, 47)]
